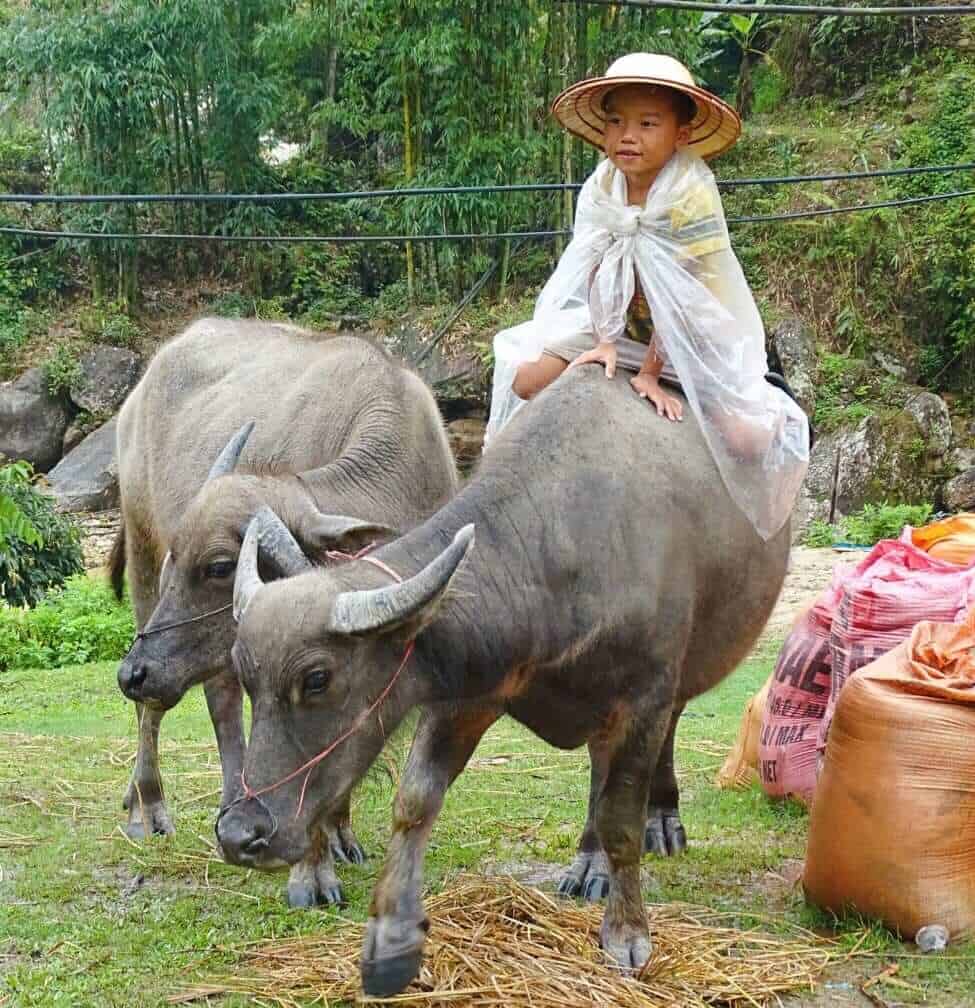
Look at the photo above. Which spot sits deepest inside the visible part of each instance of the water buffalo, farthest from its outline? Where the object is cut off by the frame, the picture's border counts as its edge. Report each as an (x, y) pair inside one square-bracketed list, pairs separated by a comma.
[(613, 579), (333, 424)]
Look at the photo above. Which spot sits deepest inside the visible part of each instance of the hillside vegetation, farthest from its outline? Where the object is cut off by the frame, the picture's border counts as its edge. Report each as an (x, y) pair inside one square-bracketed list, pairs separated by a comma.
[(208, 97)]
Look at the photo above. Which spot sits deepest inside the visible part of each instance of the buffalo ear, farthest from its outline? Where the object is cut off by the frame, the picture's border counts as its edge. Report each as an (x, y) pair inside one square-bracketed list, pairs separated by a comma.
[(345, 535)]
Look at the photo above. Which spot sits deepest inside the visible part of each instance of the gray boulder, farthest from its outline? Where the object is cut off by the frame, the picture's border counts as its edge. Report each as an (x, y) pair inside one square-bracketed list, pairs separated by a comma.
[(816, 495), (87, 479), (959, 493), (106, 376), (882, 458), (932, 416), (32, 421), (792, 351)]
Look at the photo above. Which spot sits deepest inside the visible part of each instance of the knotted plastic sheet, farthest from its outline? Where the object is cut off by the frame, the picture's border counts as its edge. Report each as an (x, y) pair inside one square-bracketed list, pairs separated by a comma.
[(705, 320)]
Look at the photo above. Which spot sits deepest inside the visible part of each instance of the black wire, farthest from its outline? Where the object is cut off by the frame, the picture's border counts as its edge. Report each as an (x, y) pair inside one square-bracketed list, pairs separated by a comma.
[(34, 198), (805, 9), (353, 239), (331, 239), (797, 214)]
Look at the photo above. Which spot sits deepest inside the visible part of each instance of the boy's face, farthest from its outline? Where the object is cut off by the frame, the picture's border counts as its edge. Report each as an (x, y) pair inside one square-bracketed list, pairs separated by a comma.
[(642, 130)]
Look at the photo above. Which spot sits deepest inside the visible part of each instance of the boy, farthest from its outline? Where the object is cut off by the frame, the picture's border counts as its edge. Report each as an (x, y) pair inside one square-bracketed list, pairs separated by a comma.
[(649, 283)]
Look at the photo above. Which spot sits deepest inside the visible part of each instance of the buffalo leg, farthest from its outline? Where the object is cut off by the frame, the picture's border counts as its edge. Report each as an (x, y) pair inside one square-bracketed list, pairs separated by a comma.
[(345, 846), (620, 816), (588, 875), (144, 797), (225, 704), (665, 834), (397, 926), (313, 880)]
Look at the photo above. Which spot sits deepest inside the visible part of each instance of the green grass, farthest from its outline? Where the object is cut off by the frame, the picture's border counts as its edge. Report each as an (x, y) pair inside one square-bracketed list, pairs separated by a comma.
[(88, 918)]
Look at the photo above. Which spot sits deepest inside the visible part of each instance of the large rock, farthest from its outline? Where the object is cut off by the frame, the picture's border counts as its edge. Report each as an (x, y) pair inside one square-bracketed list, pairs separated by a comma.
[(87, 479), (107, 375), (932, 416), (792, 351), (815, 498), (883, 458), (959, 493), (32, 421)]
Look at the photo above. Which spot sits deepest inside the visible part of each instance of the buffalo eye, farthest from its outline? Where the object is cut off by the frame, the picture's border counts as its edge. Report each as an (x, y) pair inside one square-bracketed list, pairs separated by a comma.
[(220, 569), (315, 682)]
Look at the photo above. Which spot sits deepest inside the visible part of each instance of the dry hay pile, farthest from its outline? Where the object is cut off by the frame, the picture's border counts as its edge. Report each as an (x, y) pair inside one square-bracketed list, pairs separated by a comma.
[(496, 943)]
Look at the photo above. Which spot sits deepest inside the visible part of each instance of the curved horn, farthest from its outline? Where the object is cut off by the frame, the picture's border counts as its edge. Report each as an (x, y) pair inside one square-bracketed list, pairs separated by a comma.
[(228, 458), (362, 611), (278, 545), (248, 580)]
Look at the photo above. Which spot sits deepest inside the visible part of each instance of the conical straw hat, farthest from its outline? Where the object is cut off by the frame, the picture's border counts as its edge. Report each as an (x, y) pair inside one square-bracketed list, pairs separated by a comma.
[(579, 108)]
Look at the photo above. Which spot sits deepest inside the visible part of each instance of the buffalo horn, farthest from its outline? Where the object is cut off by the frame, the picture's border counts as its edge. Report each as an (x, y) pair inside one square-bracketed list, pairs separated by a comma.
[(357, 612), (278, 545), (248, 579), (228, 458)]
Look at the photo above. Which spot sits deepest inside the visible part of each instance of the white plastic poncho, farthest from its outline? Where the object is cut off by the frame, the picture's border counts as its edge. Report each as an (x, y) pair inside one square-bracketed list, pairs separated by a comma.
[(706, 325)]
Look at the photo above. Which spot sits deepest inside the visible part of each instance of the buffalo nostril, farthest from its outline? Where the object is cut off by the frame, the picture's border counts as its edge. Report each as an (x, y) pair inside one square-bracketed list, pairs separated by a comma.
[(131, 678), (254, 846)]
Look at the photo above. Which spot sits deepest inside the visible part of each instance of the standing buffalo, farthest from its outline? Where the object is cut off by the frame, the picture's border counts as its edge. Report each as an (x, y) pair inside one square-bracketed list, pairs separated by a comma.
[(613, 579), (332, 427)]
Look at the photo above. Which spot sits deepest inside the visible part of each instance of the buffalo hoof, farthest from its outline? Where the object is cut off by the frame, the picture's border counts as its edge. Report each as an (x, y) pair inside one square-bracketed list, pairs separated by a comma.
[(664, 833), (628, 947), (148, 820), (390, 975), (345, 847), (587, 876), (312, 884)]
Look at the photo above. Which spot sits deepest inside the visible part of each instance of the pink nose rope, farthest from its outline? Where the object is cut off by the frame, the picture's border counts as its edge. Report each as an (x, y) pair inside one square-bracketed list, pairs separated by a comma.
[(306, 768)]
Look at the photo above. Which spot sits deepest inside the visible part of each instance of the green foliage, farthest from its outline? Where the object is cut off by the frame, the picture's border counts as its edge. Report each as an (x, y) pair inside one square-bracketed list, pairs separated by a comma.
[(14, 523), (109, 322), (883, 521), (43, 558), (869, 525), (843, 392), (61, 369), (233, 304), (80, 622), (819, 533)]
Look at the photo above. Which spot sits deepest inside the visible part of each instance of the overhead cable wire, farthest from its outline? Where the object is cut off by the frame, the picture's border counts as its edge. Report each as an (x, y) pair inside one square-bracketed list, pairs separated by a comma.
[(53, 198), (463, 236), (798, 9)]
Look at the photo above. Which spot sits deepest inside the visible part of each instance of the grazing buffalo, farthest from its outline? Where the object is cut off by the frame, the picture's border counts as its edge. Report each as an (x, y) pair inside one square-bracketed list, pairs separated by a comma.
[(346, 445), (613, 579)]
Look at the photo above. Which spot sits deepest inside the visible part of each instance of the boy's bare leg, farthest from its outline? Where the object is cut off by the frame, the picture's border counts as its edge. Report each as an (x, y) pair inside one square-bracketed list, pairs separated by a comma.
[(531, 378)]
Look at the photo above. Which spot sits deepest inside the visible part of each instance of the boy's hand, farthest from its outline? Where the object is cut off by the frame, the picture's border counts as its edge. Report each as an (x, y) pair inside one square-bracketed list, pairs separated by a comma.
[(602, 353), (647, 387)]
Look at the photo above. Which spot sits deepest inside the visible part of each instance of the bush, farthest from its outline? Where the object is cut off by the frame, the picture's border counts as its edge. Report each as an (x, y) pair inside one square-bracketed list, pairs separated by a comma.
[(61, 369), (869, 525), (109, 323), (883, 521), (233, 305), (29, 564), (81, 622)]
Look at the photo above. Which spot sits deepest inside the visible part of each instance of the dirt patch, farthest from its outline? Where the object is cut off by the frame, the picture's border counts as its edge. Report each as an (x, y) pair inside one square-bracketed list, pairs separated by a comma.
[(811, 570)]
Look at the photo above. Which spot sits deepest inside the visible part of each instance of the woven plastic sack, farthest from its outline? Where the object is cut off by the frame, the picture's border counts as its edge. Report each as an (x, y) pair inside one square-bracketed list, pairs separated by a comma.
[(892, 828), (951, 539), (796, 701), (892, 589), (741, 766)]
